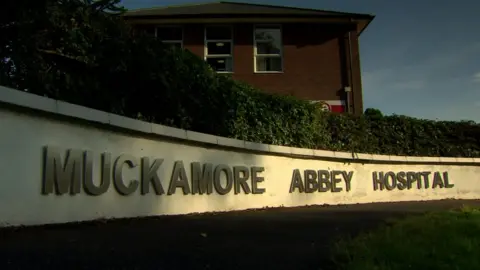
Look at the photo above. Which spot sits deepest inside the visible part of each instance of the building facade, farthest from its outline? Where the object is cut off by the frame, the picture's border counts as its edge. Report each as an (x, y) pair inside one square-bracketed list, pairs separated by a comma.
[(310, 54)]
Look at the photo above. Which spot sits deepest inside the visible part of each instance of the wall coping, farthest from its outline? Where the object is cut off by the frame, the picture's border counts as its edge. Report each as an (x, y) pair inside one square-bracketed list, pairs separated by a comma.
[(39, 103)]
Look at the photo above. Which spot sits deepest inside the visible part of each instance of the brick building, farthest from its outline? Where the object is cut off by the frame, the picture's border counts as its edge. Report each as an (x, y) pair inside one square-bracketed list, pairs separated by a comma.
[(311, 54)]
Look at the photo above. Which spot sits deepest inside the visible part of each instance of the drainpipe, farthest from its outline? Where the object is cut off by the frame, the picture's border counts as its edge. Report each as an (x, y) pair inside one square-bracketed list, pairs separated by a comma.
[(350, 66)]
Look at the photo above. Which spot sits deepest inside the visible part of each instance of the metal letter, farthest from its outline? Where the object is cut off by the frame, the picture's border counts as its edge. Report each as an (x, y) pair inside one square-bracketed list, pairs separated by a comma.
[(63, 177), (413, 177), (118, 182), (426, 179), (437, 180), (445, 178), (229, 177), (179, 179), (394, 181), (402, 180), (88, 185), (336, 180), (378, 180), (241, 181), (324, 184), (296, 182), (311, 184), (149, 174), (202, 180), (257, 179), (348, 180)]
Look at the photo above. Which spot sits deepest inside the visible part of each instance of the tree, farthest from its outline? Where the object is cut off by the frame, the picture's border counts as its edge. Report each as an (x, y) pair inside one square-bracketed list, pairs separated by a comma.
[(373, 113), (82, 51), (55, 47)]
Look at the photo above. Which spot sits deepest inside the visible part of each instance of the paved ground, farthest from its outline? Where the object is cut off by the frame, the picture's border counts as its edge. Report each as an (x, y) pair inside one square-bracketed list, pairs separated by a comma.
[(295, 238)]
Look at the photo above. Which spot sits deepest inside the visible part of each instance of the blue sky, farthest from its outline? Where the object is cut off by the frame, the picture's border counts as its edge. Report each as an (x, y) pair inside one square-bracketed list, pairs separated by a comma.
[(419, 58)]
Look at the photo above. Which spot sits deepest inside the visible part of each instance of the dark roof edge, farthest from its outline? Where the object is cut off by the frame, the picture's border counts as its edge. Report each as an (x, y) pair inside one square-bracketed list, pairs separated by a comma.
[(366, 25), (351, 14), (176, 6), (231, 15), (295, 8)]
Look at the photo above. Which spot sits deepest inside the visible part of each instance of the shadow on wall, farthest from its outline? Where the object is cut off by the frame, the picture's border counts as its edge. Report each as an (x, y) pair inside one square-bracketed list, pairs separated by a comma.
[(237, 177), (220, 179), (194, 178), (176, 178)]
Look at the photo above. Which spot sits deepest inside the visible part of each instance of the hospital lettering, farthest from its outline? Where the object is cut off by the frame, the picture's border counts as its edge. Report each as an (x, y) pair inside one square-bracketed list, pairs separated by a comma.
[(408, 180)]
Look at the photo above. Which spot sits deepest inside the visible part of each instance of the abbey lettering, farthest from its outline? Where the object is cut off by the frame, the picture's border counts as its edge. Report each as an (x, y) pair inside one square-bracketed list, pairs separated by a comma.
[(310, 181), (75, 173)]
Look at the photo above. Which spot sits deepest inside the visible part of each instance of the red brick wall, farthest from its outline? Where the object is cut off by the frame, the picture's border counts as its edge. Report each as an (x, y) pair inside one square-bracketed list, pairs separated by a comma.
[(315, 61), (193, 39)]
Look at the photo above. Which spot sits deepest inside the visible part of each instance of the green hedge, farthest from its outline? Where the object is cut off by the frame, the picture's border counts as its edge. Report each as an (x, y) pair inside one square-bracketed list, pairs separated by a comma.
[(97, 62)]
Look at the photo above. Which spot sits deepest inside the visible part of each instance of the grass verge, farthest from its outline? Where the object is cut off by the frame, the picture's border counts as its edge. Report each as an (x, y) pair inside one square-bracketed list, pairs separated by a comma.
[(441, 240)]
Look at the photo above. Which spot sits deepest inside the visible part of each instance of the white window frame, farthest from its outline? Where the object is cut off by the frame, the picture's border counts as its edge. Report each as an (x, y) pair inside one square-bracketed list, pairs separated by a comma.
[(231, 41), (172, 41), (279, 55)]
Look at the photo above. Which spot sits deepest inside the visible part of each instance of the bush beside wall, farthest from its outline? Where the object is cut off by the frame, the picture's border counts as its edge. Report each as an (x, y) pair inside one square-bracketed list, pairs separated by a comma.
[(90, 57)]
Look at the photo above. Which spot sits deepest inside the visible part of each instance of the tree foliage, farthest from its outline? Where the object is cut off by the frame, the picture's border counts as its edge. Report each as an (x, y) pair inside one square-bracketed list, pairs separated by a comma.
[(60, 48)]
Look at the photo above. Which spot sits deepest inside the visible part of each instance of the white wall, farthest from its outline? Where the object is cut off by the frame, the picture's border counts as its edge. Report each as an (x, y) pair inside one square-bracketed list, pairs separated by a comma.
[(24, 134)]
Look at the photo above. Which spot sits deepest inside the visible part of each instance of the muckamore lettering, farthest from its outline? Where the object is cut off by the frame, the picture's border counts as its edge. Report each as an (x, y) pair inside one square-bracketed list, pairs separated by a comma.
[(76, 171)]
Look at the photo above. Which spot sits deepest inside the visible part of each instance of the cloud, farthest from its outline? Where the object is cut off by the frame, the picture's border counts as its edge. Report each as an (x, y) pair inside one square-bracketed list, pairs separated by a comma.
[(410, 84), (437, 85), (447, 99), (476, 77)]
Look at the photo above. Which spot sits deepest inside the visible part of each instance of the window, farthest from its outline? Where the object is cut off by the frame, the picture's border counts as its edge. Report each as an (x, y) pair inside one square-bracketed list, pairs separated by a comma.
[(218, 48), (268, 49), (148, 30), (168, 34), (172, 35)]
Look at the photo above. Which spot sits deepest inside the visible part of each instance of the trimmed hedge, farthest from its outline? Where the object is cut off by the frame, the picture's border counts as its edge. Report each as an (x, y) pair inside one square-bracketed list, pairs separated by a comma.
[(402, 135), (100, 64)]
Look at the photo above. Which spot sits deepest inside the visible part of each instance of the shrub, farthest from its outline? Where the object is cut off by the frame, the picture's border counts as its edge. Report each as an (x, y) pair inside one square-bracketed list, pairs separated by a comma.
[(79, 52)]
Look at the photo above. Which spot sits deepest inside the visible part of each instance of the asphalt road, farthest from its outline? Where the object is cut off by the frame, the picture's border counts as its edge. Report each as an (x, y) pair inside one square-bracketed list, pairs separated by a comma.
[(284, 238)]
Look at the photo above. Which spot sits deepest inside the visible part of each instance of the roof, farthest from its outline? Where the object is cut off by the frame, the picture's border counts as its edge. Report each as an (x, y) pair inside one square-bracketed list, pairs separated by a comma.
[(238, 9)]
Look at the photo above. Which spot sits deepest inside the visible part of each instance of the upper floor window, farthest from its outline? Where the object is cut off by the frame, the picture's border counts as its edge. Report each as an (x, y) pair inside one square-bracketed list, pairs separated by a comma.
[(219, 48), (172, 35), (149, 30), (268, 49), (168, 34)]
